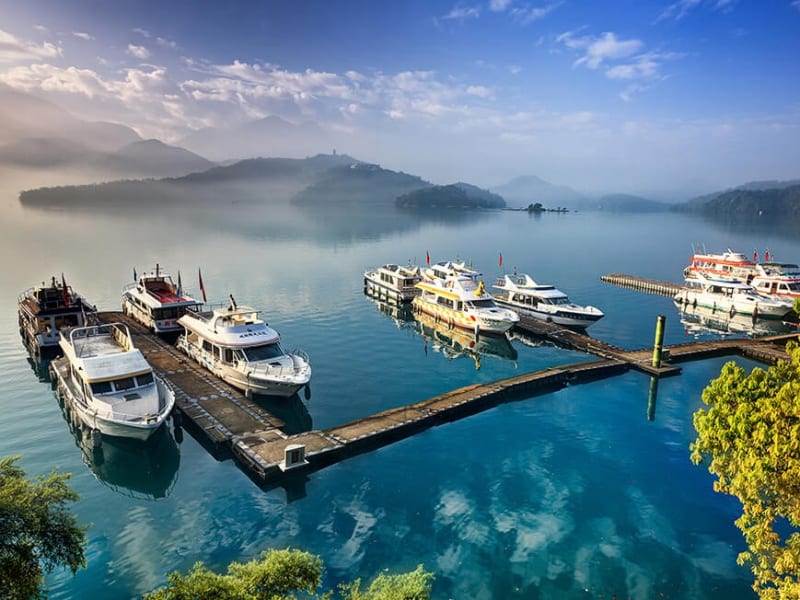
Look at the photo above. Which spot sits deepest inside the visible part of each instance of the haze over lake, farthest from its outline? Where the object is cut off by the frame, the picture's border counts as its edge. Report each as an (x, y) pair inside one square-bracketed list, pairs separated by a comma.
[(552, 495)]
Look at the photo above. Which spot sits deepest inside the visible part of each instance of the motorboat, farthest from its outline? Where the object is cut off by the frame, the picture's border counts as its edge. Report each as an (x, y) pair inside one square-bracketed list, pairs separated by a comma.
[(727, 265), (106, 380), (155, 301), (450, 268), (46, 309), (235, 344), (458, 301), (543, 302), (731, 297), (393, 282), (781, 280)]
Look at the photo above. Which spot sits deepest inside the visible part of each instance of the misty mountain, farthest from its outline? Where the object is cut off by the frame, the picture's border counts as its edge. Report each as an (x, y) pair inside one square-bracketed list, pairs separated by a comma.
[(530, 189), (152, 158), (628, 203), (698, 201), (458, 195), (261, 169), (270, 136), (359, 183), (24, 117), (776, 205)]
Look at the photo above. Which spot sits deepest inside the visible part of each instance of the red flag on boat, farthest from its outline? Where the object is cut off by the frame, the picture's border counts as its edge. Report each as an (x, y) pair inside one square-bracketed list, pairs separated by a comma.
[(500, 260), (755, 255), (766, 255), (427, 258), (202, 287), (66, 290)]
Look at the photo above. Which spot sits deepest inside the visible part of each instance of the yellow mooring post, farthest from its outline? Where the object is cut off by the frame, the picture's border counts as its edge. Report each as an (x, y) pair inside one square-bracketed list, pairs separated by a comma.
[(659, 343)]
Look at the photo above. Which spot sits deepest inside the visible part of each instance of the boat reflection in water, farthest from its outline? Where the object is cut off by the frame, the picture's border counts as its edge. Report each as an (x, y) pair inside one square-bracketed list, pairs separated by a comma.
[(134, 468), (400, 312), (701, 320), (292, 411)]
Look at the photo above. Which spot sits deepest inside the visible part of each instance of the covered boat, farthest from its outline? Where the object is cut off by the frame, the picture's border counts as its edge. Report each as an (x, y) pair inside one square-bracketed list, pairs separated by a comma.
[(458, 301), (45, 310), (155, 301), (781, 280), (106, 380), (235, 344), (393, 282), (543, 302), (727, 265), (731, 297)]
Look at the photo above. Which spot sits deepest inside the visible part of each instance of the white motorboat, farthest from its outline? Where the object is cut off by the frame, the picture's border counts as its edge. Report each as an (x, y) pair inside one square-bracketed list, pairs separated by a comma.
[(155, 301), (781, 280), (458, 301), (450, 268), (239, 347), (393, 282), (543, 302), (731, 297), (45, 310), (109, 384)]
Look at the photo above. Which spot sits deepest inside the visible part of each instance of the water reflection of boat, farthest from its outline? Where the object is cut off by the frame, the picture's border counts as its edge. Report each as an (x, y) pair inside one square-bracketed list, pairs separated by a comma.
[(292, 411), (701, 319), (401, 313), (453, 342), (129, 467)]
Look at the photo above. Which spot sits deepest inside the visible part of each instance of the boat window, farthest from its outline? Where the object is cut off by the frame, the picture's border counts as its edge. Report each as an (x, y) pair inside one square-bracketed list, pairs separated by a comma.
[(101, 387), (125, 383), (561, 301), (445, 301), (206, 345), (144, 379), (265, 352), (66, 321), (483, 303), (794, 287), (228, 355), (168, 313)]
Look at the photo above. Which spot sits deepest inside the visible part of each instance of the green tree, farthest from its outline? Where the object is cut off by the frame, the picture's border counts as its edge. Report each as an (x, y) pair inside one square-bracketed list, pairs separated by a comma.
[(280, 574), (750, 435), (38, 533)]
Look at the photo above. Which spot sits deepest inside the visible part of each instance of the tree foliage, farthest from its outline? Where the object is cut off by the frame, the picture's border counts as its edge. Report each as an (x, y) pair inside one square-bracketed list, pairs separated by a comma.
[(38, 532), (281, 574), (751, 435)]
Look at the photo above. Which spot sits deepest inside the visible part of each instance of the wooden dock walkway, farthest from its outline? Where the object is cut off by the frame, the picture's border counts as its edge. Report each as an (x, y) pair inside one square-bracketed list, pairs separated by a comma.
[(642, 284), (231, 425)]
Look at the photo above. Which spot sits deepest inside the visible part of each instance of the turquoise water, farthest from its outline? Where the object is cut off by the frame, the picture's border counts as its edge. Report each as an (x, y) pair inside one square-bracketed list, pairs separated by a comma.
[(573, 494)]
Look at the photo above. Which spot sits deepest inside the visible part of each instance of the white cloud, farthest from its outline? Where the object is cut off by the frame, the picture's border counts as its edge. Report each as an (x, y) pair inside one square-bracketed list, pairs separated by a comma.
[(678, 10), (41, 28), (608, 47), (82, 35), (166, 43), (139, 52), (796, 4), (479, 91), (529, 14), (499, 5), (142, 32), (50, 78), (12, 49), (460, 13)]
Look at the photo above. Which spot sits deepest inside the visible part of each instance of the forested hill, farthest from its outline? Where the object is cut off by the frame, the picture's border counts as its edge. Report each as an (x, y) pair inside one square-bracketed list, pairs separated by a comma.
[(772, 205), (456, 195)]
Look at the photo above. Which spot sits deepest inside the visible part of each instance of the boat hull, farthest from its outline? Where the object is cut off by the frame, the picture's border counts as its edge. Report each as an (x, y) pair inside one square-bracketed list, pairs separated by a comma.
[(765, 309), (561, 317), (382, 290)]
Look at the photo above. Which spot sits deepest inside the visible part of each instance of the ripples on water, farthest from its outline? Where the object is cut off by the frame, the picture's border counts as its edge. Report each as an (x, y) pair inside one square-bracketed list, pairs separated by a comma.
[(570, 494)]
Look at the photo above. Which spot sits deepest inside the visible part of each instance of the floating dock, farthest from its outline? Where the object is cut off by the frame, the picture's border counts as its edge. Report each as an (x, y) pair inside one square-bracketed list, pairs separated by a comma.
[(229, 424), (643, 284)]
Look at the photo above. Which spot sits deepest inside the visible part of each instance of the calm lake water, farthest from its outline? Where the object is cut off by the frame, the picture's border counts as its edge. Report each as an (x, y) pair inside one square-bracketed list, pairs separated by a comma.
[(574, 494)]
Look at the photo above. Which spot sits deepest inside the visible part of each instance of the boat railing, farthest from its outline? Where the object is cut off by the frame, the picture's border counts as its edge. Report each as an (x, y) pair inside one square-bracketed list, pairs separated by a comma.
[(119, 332)]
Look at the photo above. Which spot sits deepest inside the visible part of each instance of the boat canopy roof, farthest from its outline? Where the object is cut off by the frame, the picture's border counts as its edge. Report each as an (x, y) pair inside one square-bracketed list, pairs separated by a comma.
[(524, 284), (457, 287), (104, 352)]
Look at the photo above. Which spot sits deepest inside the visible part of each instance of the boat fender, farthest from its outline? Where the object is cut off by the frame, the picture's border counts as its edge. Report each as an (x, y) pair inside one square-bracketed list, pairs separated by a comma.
[(97, 438), (307, 392)]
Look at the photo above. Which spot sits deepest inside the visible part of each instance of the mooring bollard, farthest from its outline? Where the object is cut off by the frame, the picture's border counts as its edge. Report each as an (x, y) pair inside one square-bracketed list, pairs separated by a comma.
[(659, 343)]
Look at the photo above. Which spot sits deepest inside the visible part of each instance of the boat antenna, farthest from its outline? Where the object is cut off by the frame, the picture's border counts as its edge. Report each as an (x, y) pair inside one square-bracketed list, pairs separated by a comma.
[(233, 302), (156, 269)]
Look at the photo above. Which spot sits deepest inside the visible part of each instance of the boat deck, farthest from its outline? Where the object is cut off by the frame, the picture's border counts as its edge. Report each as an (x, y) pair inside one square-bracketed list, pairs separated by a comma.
[(230, 425)]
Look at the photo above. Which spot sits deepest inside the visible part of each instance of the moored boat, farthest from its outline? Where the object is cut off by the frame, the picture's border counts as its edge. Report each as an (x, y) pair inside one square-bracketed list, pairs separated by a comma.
[(459, 301), (106, 380), (155, 301), (450, 268), (235, 344), (393, 282), (543, 302), (45, 310), (780, 280), (731, 297), (727, 265)]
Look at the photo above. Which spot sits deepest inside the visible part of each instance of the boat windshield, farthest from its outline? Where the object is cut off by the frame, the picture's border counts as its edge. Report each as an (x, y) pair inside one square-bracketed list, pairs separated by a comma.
[(482, 304), (265, 352)]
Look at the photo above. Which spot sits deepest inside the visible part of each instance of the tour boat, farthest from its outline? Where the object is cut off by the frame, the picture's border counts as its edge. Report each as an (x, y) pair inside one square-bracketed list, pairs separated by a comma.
[(728, 265), (460, 302), (731, 297), (109, 384), (156, 302), (450, 268), (543, 302), (44, 310), (780, 280), (239, 347), (393, 282)]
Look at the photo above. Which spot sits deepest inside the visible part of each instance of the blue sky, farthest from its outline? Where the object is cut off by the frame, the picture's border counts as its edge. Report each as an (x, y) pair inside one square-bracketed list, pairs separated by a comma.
[(625, 95)]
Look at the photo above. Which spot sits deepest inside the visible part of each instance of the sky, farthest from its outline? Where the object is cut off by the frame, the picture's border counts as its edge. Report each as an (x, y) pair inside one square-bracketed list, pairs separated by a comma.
[(637, 96)]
